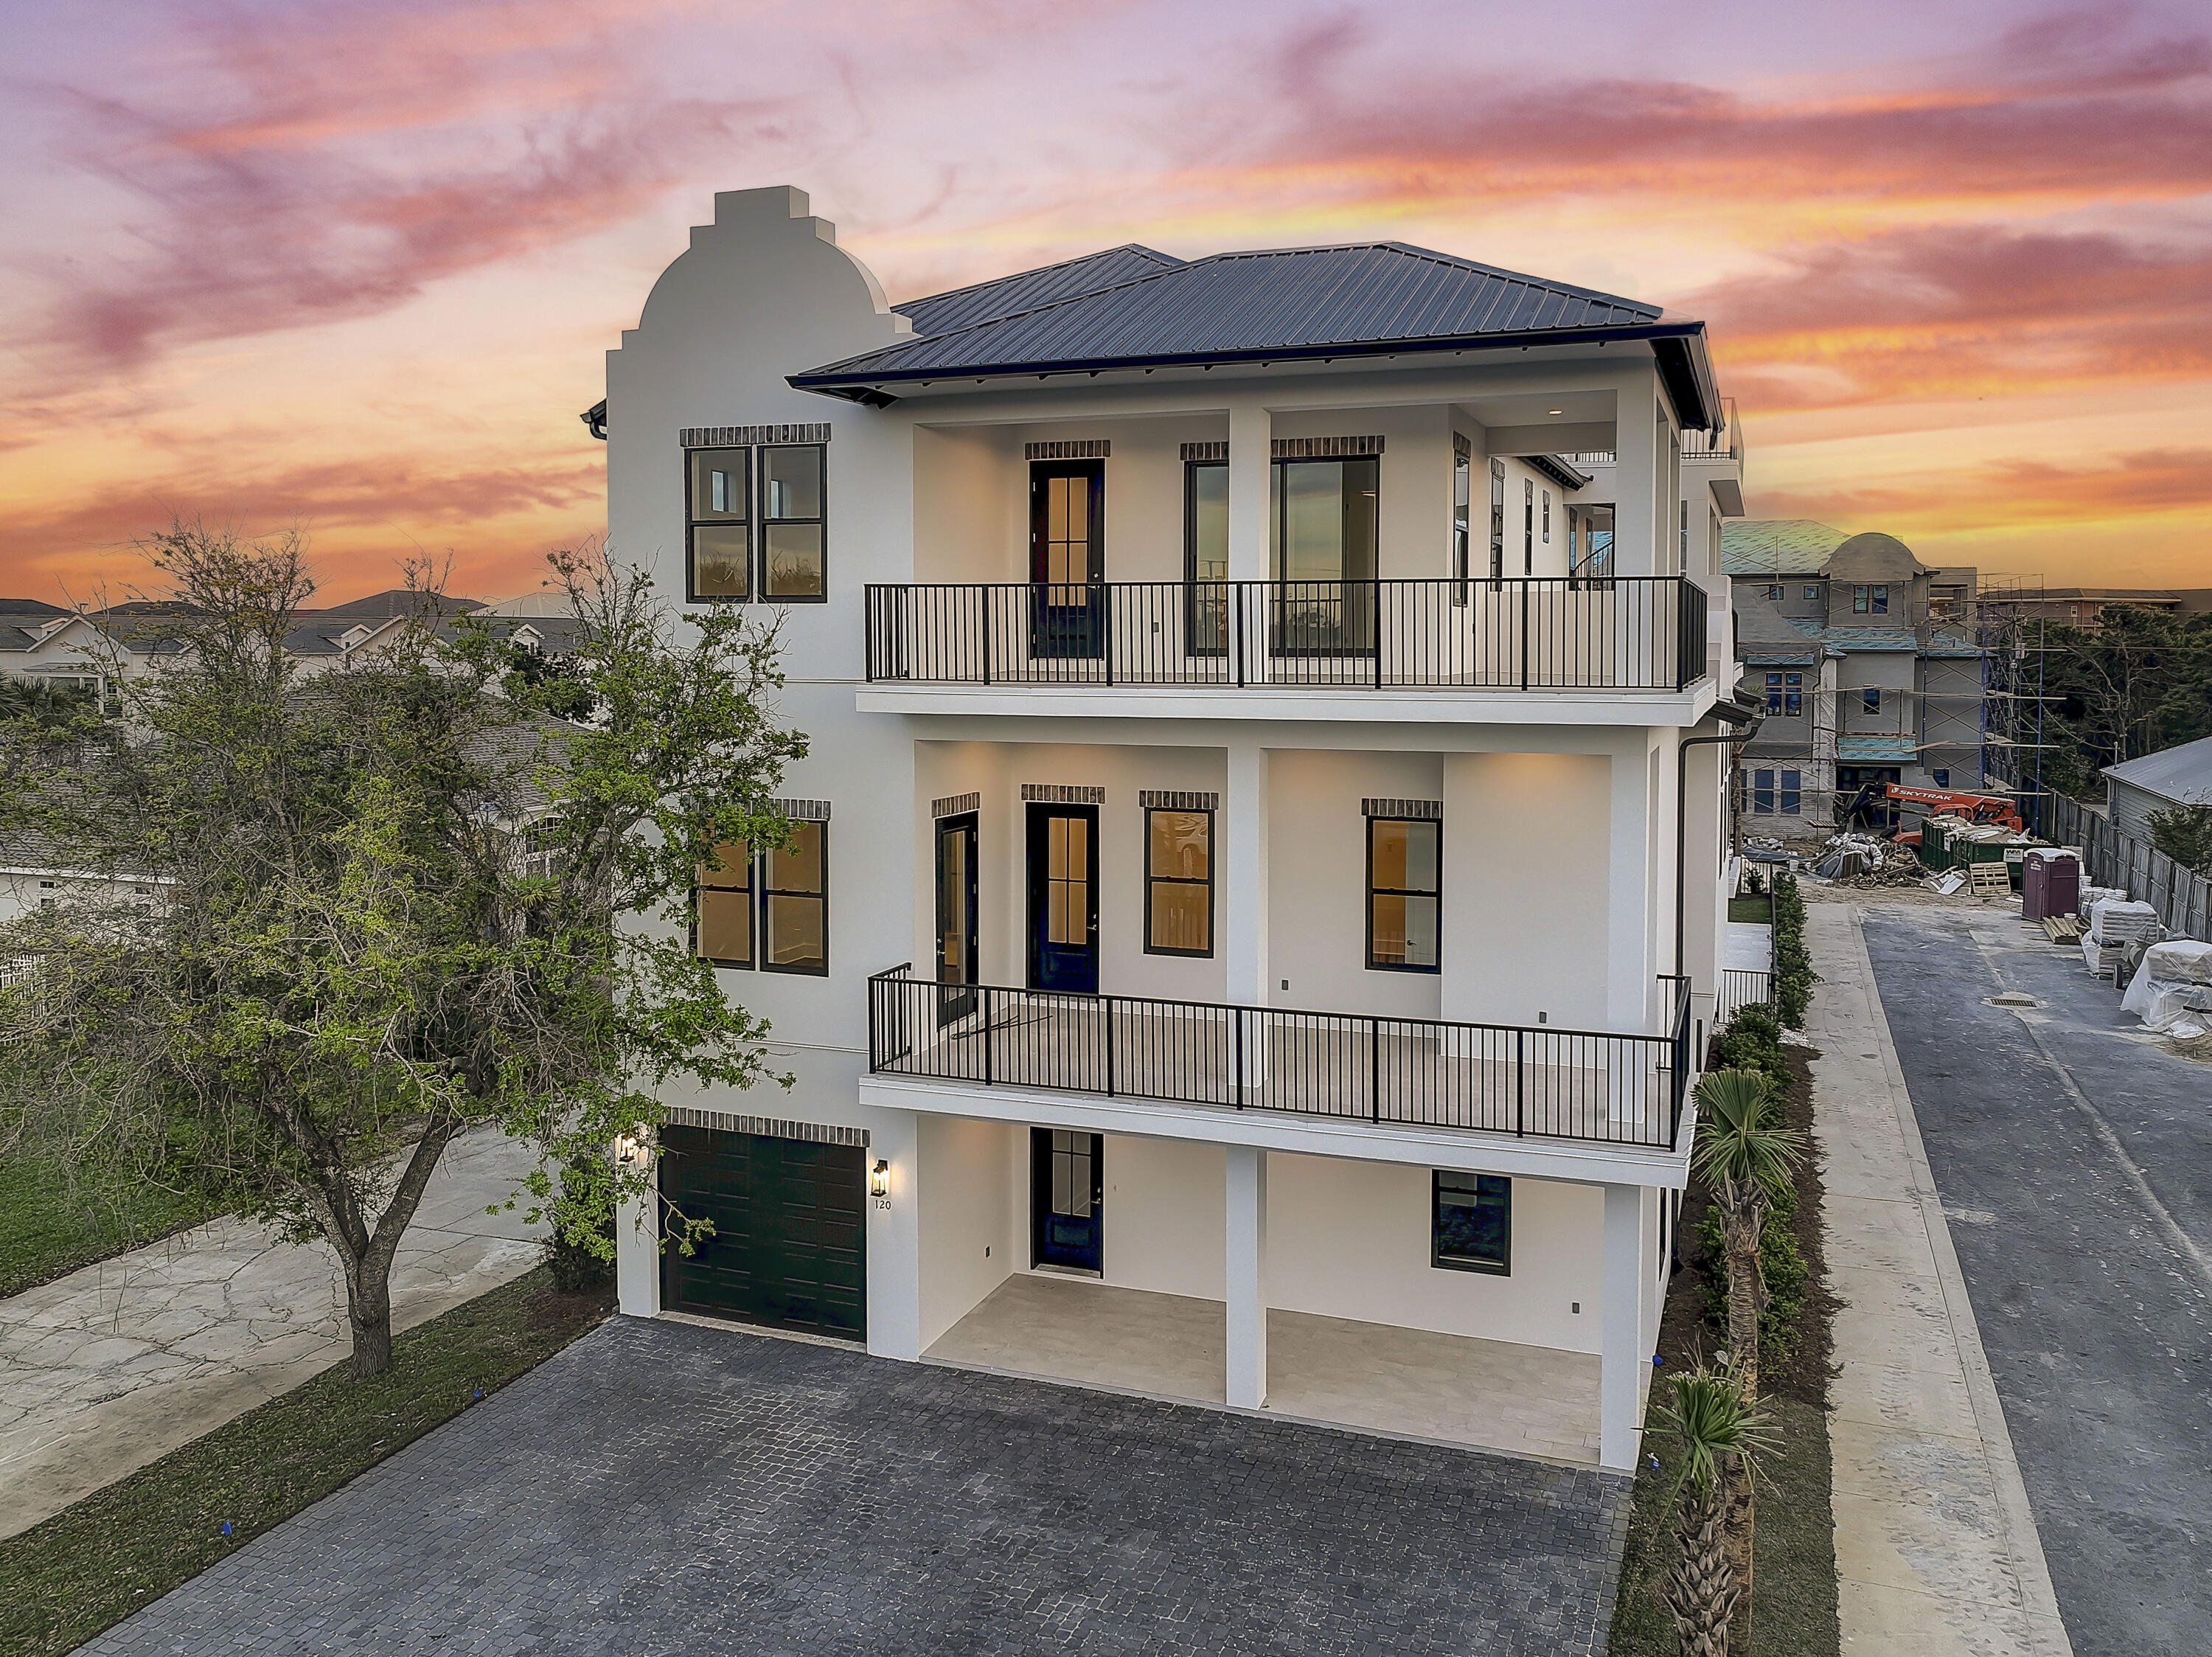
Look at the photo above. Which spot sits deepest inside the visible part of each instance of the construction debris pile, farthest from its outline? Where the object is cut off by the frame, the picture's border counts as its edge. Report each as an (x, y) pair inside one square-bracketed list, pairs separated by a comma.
[(1863, 860)]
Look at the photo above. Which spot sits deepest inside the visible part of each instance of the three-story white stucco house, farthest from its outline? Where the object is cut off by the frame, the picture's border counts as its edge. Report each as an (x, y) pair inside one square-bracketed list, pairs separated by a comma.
[(1253, 907)]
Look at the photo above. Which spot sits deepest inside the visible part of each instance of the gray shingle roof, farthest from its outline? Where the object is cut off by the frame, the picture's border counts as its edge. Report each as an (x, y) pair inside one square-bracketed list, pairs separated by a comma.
[(1778, 547), (2182, 773), (963, 307), (1295, 302)]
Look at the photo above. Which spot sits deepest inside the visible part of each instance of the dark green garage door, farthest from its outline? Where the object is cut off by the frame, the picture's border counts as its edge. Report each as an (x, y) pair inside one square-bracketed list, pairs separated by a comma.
[(789, 1248)]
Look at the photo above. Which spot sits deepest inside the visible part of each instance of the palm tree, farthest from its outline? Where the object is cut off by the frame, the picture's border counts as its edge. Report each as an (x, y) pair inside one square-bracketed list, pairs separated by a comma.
[(1720, 1430), (1745, 1160)]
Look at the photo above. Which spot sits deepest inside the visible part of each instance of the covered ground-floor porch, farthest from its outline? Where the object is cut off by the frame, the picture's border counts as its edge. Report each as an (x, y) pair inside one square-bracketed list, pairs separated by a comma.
[(1413, 1383)]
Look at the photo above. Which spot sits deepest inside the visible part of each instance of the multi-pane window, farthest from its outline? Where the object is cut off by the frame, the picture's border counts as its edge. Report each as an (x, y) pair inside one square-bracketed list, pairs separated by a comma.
[(777, 900), (1870, 600), (1404, 888), (1871, 699), (1762, 793), (1775, 592), (795, 902), (1471, 1228), (1785, 694), (1496, 518), (792, 522), (1462, 497), (756, 523), (1205, 554), (1811, 592), (1792, 792), (722, 907), (721, 523), (1178, 882)]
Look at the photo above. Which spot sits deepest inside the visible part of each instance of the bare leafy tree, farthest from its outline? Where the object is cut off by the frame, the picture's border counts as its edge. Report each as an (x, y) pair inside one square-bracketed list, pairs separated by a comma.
[(354, 914)]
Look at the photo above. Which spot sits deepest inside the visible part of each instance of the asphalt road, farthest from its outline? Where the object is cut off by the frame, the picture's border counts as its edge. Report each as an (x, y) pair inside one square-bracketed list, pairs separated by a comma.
[(2074, 1155)]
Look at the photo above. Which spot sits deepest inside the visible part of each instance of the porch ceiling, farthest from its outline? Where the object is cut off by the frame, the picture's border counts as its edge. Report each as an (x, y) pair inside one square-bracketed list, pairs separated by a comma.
[(1487, 1395)]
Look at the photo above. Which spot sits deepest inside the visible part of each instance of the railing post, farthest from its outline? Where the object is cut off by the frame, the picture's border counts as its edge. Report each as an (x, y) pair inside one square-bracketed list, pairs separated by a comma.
[(1237, 631), (1108, 1000), (1375, 623), (1524, 632), (1520, 1083), (987, 634), (983, 1000), (1236, 1056), (1374, 1070), (1106, 628), (875, 1046)]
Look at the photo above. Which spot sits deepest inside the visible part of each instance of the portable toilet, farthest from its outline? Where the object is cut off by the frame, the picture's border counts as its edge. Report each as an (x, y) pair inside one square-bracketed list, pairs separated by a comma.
[(2050, 882)]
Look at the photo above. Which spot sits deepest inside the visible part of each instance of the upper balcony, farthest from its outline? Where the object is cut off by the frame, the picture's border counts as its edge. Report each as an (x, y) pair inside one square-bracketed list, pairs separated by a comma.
[(1525, 639)]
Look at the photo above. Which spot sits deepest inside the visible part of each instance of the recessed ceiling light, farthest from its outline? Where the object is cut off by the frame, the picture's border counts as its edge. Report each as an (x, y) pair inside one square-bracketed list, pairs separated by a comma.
[(1555, 411)]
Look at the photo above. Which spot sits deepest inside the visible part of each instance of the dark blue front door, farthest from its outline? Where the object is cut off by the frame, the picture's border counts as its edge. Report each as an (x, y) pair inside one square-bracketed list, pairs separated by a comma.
[(1068, 603), (1067, 1183), (1063, 870)]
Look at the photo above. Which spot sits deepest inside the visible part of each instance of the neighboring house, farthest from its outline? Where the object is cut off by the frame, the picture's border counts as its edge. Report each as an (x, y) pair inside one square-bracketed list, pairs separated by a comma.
[(1895, 692), (2136, 789), (43, 641), (2083, 607), (1224, 949)]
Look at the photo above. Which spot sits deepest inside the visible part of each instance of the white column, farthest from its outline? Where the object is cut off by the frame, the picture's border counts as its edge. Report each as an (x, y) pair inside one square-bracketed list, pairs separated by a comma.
[(1624, 1353), (637, 1257), (1636, 486), (1243, 874), (894, 1238), (1248, 1276), (1251, 551)]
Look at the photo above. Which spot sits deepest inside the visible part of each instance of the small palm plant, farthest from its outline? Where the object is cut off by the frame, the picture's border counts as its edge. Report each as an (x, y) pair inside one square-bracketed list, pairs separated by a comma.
[(1745, 1160), (1722, 1434)]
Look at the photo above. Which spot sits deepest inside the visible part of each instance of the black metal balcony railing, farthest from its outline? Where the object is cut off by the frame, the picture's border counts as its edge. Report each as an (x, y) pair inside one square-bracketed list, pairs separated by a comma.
[(1549, 633), (1740, 987), (1524, 1081)]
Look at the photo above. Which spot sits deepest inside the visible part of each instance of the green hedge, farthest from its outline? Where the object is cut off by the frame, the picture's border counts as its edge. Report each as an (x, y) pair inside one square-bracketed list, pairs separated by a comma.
[(1794, 976)]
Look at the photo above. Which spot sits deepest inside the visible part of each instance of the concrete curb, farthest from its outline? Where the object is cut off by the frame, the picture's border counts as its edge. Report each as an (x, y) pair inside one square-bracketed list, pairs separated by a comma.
[(2023, 1543)]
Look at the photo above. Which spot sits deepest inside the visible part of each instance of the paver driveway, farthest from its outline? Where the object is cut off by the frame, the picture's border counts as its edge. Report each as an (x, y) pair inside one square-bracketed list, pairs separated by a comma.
[(660, 1487)]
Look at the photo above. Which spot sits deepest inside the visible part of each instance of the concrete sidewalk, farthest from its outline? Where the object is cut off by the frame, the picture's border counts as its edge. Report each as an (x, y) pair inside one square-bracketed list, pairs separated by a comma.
[(110, 1367), (1935, 1546)]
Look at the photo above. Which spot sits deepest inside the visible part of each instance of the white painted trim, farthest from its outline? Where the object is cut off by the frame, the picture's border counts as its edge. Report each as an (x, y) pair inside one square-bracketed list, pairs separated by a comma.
[(1180, 702)]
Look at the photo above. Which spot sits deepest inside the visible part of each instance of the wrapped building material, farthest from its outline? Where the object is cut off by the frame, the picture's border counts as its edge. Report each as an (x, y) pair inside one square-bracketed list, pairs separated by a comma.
[(2117, 920), (2182, 960), (2172, 1007)]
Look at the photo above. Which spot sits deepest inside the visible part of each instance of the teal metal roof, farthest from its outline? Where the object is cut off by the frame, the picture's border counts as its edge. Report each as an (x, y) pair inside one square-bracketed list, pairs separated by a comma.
[(1876, 750), (1950, 645), (1777, 546)]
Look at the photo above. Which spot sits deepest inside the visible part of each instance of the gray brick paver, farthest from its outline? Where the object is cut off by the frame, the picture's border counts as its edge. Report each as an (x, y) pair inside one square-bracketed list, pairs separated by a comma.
[(662, 1489)]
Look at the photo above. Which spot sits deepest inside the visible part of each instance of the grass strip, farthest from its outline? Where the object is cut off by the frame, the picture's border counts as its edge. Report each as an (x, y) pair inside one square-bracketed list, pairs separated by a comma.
[(49, 1226), (94, 1563), (1793, 1611)]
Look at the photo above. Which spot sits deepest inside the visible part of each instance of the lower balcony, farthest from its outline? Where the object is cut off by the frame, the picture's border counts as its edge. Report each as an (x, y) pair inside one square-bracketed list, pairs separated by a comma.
[(1529, 1081)]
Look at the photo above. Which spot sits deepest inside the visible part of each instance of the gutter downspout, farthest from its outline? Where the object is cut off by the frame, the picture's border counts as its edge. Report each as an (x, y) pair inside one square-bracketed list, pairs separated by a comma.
[(1735, 713)]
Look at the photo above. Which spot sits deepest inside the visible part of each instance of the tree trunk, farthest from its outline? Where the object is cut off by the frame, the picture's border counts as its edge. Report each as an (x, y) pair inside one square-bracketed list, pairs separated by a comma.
[(1701, 1589), (368, 1308), (1744, 1299)]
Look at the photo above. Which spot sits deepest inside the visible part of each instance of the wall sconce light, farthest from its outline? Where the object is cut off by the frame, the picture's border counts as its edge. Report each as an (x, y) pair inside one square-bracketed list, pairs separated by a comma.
[(627, 1149), (879, 1180)]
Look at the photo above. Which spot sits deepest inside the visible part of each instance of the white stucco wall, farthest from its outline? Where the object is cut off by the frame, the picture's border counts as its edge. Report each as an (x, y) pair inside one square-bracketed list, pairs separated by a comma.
[(967, 1218), (1352, 1239)]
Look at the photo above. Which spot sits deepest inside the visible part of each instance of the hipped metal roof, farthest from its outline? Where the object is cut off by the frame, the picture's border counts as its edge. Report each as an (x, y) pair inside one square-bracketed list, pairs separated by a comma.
[(1294, 304)]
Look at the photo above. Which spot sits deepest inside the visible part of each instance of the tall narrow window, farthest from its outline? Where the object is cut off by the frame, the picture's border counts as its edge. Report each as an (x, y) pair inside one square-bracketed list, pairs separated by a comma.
[(1882, 601), (1470, 1228), (1206, 555), (1497, 519), (792, 523), (722, 907), (1547, 517), (1404, 865), (1462, 497), (1178, 882), (796, 901), (1774, 593), (1325, 526), (1762, 793), (1528, 526), (721, 523), (1792, 790)]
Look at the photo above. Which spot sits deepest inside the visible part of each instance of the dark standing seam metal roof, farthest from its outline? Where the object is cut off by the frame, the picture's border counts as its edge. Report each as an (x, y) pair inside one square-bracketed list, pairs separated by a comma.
[(984, 302), (1294, 303)]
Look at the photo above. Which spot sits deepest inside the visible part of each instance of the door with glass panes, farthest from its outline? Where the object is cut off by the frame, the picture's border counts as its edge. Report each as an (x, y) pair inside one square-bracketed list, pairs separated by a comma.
[(1067, 1190), (955, 916), (1067, 559)]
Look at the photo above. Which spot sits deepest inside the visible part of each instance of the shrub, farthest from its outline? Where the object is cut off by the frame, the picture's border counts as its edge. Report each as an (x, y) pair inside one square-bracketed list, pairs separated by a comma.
[(1794, 976)]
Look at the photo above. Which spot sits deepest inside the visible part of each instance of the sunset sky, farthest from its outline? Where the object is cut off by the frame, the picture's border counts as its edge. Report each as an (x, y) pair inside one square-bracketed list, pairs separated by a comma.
[(353, 265)]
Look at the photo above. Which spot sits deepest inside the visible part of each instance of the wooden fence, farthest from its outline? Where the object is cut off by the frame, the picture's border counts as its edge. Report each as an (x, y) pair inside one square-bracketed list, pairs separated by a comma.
[(2110, 857)]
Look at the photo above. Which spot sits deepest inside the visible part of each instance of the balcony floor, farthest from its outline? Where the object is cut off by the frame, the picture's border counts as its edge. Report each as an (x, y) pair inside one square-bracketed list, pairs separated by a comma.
[(1488, 1395), (1318, 1064)]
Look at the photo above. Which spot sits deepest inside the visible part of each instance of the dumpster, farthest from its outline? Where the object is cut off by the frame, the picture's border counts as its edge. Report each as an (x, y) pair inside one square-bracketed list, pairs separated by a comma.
[(2050, 882)]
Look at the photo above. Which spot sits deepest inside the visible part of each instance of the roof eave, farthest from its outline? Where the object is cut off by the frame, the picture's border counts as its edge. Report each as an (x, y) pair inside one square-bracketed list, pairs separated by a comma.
[(1689, 381)]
